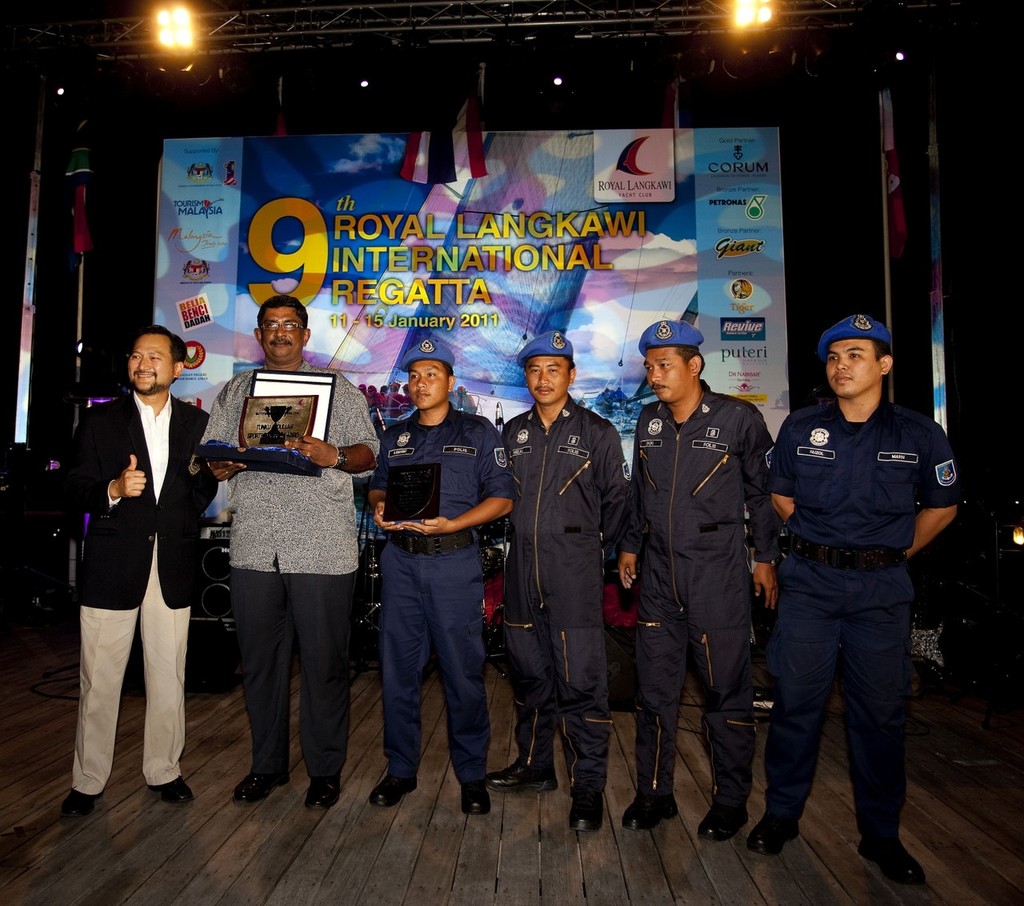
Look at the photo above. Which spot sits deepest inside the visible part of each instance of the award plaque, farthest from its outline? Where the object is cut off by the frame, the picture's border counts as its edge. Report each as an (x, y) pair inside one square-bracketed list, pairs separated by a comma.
[(414, 493), (268, 421), (281, 406)]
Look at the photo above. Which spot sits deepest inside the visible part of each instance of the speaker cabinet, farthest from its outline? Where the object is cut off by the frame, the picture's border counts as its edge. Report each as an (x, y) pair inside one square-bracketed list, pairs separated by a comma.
[(213, 656)]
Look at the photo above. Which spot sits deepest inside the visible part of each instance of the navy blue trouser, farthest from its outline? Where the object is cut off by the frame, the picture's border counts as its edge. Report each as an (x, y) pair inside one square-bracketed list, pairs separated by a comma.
[(433, 603), (272, 609), (665, 639), (558, 657), (862, 617)]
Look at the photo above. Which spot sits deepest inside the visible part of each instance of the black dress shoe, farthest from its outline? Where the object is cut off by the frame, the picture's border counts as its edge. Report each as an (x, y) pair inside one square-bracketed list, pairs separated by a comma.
[(78, 805), (255, 787), (894, 861), (647, 811), (587, 811), (323, 792), (475, 800), (771, 833), (521, 778), (722, 821), (176, 791), (390, 790)]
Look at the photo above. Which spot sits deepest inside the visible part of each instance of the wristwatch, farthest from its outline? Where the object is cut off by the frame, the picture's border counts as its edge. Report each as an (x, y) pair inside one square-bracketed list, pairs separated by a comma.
[(342, 460)]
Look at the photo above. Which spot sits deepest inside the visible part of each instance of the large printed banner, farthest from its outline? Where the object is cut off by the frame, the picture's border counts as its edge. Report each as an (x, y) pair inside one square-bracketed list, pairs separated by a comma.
[(598, 234)]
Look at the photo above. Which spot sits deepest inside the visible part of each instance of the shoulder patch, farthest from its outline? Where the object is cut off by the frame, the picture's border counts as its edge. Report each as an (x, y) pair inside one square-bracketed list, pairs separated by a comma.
[(945, 473)]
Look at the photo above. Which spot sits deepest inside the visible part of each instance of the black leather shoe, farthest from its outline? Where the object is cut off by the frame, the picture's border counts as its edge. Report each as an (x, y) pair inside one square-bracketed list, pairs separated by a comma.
[(894, 861), (175, 792), (587, 811), (647, 811), (255, 787), (475, 800), (771, 833), (722, 821), (78, 805), (323, 792), (390, 790), (520, 778)]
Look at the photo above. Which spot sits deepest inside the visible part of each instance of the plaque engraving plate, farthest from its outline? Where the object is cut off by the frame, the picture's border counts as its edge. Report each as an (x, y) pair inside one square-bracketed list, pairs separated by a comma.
[(413, 493)]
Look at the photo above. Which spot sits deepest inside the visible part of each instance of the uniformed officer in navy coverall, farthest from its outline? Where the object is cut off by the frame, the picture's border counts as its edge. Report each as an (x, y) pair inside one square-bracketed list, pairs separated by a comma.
[(432, 587), (862, 484), (699, 461), (571, 483)]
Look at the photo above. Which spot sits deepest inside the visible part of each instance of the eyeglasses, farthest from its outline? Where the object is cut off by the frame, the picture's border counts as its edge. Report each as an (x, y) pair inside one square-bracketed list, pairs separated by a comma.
[(289, 326)]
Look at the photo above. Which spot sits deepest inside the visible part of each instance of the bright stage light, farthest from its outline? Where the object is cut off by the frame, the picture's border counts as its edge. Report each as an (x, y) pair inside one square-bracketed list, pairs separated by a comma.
[(752, 12), (174, 28)]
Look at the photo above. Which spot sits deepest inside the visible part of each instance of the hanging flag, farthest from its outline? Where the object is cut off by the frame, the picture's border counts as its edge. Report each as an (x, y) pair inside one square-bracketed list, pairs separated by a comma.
[(79, 175), (894, 192), (670, 109), (280, 127), (449, 157)]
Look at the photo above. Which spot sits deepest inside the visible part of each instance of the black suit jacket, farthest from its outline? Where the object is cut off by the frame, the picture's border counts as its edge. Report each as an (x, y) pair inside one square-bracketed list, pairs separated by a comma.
[(118, 548)]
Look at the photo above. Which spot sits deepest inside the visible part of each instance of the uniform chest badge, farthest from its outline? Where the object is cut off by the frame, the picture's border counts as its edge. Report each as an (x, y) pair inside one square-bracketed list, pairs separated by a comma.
[(654, 426), (403, 438), (819, 437), (523, 436), (714, 432), (574, 440), (705, 408)]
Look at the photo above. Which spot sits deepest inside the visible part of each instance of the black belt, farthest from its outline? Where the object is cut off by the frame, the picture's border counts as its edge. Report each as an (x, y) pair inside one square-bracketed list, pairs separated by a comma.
[(433, 544), (841, 558)]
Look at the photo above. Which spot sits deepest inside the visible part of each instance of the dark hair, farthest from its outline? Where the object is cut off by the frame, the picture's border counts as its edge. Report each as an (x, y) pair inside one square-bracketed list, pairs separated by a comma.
[(284, 301), (881, 348), (177, 343)]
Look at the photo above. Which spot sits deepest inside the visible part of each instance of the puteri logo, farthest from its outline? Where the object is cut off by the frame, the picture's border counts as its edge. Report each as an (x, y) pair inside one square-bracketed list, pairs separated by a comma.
[(743, 329)]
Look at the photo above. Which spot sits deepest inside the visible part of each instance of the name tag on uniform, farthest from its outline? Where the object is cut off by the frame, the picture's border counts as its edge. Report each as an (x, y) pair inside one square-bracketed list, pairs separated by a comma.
[(401, 451), (519, 451), (884, 456), (815, 453), (709, 445), (574, 451), (646, 444), (459, 449)]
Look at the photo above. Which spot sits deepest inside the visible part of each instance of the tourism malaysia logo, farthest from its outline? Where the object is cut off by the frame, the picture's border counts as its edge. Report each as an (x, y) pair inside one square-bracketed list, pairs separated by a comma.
[(634, 165)]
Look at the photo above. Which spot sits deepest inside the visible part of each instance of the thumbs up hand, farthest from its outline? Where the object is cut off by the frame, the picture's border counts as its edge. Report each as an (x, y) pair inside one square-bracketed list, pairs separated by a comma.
[(130, 483)]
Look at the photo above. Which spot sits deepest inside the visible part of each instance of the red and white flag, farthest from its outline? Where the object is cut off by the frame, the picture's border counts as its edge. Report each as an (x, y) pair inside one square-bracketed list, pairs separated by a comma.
[(449, 157), (79, 175), (894, 193)]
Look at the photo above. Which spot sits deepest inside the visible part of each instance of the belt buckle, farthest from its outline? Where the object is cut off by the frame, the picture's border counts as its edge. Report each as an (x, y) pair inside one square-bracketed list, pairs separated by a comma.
[(845, 559)]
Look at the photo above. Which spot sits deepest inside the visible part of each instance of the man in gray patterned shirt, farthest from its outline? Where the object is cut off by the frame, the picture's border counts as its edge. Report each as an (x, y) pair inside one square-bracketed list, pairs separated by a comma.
[(294, 555)]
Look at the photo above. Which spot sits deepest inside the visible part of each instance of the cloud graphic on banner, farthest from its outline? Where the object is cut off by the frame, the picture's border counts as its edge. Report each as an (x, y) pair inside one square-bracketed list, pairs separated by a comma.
[(370, 152)]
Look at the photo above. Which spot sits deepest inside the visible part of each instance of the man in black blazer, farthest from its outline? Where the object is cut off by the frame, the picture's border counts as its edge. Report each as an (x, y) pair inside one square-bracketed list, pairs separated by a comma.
[(136, 477)]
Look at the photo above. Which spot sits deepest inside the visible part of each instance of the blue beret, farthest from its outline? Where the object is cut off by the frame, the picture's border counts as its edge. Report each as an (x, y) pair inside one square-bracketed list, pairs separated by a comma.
[(434, 350), (860, 326), (670, 333), (551, 343)]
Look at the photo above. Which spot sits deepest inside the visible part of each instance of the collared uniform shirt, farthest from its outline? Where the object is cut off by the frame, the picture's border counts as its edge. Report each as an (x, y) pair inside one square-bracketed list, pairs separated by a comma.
[(692, 489), (468, 447), (859, 486)]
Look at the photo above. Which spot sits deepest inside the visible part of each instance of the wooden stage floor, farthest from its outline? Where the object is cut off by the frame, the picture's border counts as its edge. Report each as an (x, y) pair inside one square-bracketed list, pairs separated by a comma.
[(964, 817)]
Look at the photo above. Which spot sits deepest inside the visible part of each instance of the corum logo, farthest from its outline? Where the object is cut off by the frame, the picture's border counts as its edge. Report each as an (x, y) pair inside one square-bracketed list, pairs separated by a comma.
[(627, 159)]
